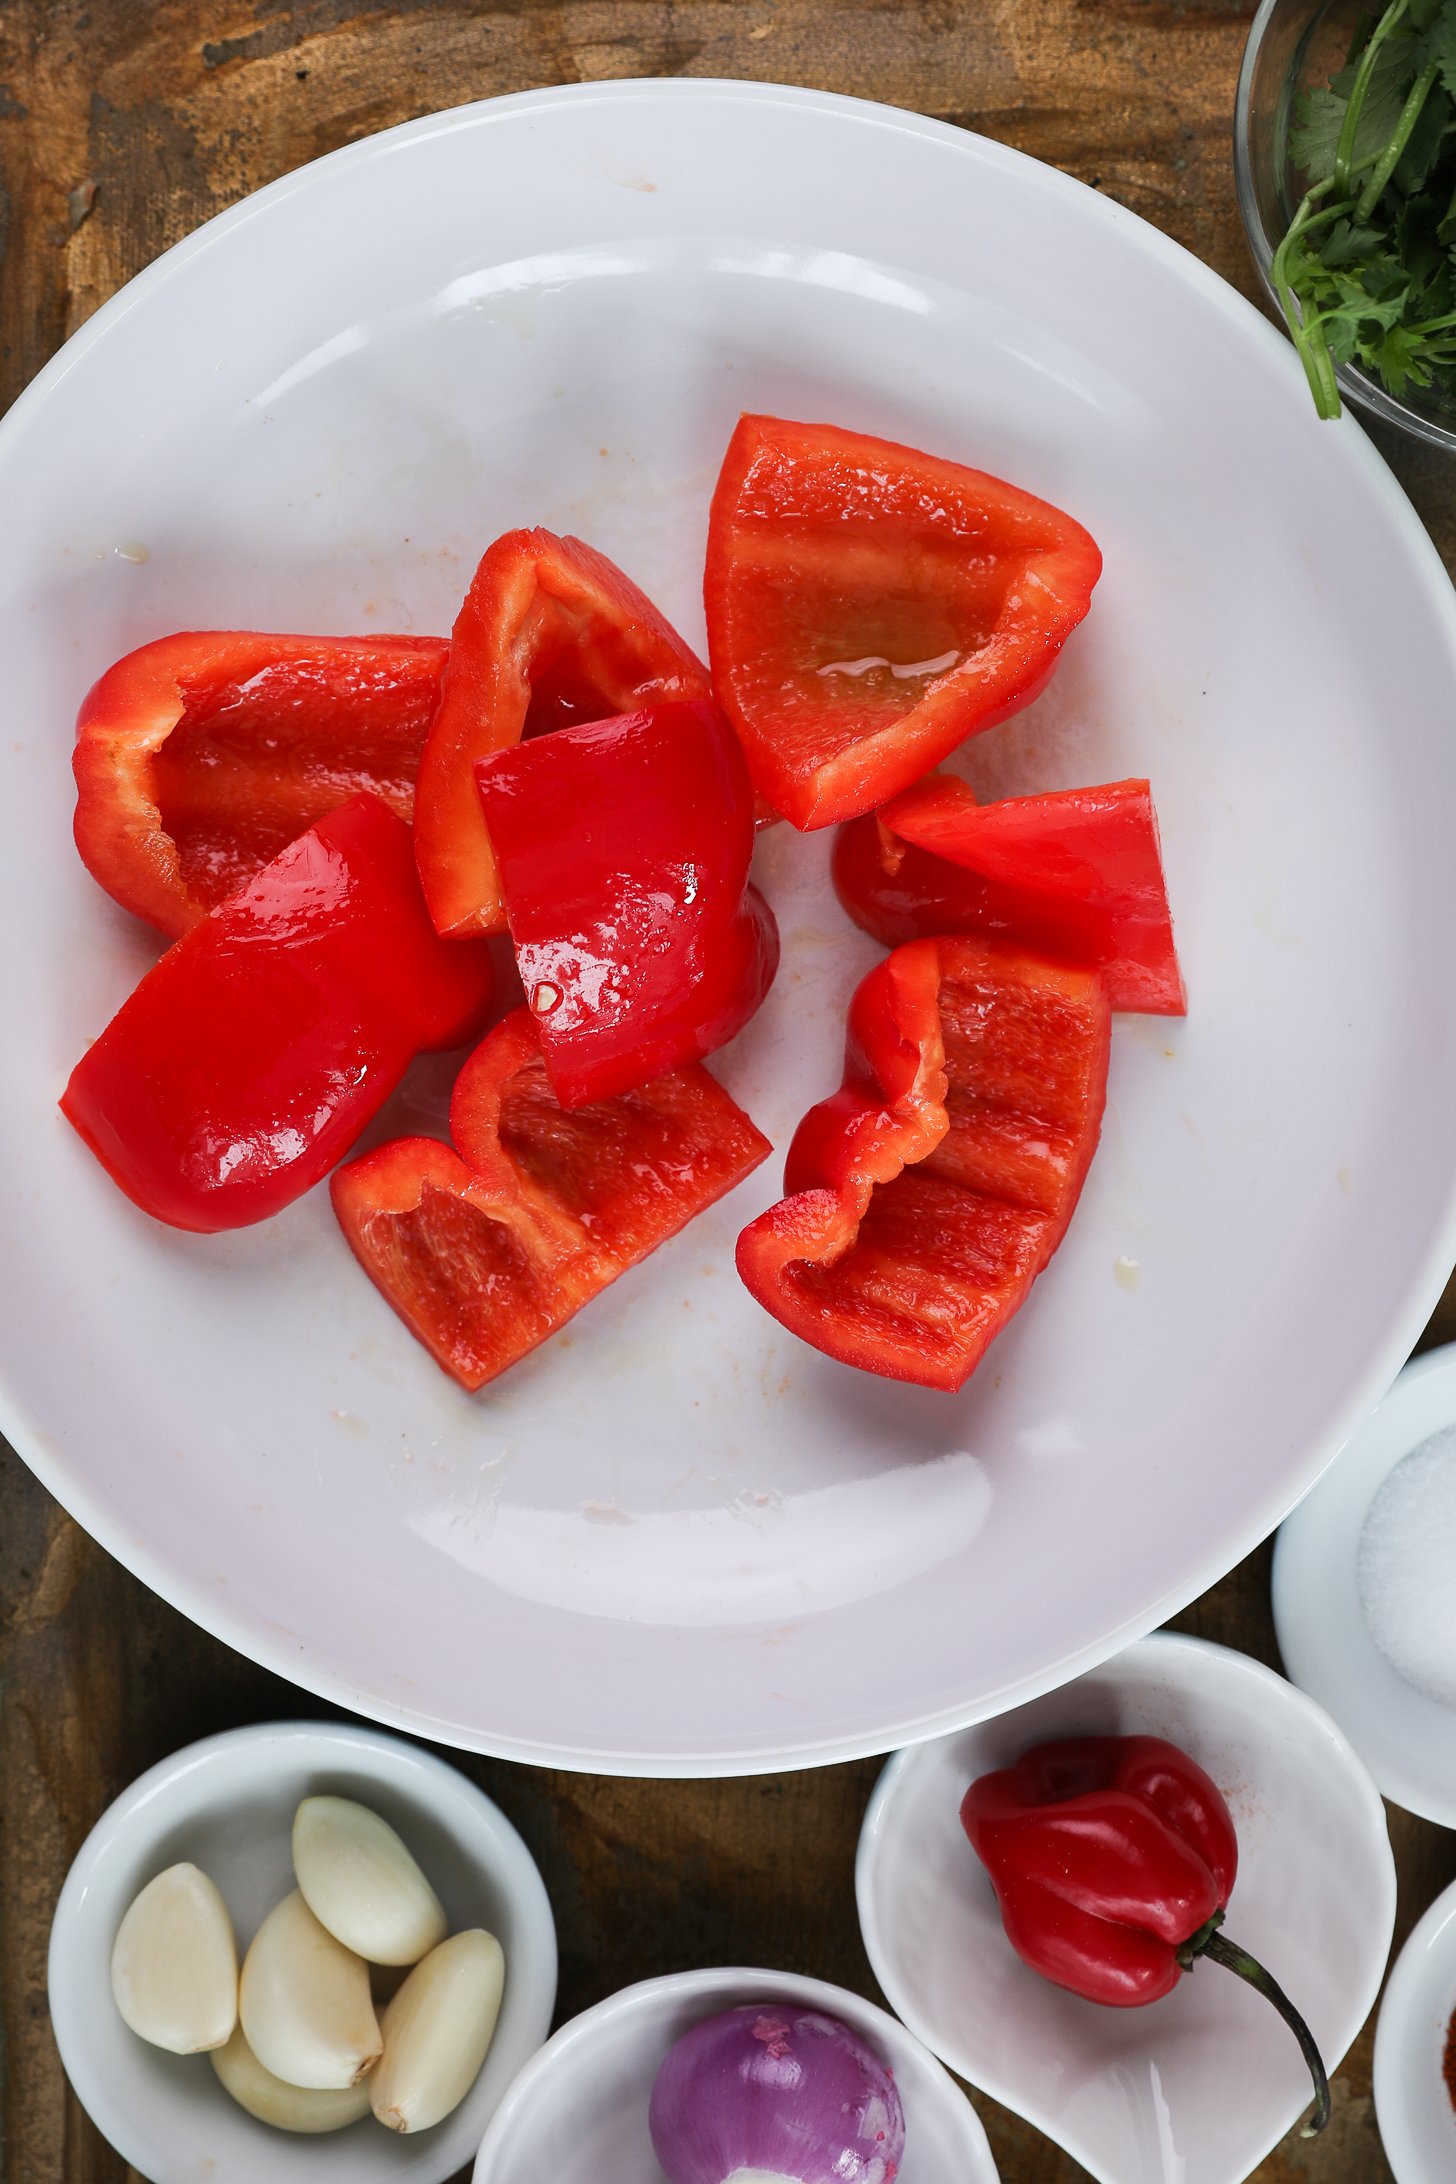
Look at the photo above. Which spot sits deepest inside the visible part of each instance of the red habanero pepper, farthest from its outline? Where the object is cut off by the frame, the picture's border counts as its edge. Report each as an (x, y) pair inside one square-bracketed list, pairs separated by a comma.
[(927, 1194), (639, 942), (551, 632), (251, 1056), (1113, 1858), (200, 756), (1076, 874), (869, 607), (485, 1252)]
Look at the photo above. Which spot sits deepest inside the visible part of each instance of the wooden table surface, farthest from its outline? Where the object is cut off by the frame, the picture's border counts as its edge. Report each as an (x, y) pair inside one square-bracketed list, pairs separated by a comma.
[(123, 123)]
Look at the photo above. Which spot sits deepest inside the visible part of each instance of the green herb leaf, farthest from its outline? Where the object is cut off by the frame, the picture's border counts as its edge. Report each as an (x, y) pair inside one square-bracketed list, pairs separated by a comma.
[(1441, 44), (1366, 274)]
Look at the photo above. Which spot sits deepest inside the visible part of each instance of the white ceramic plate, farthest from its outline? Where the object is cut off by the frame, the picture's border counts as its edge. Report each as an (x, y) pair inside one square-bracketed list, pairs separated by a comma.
[(578, 2112), (675, 1541), (1199, 2086), (1412, 2104), (227, 1805), (1406, 1738)]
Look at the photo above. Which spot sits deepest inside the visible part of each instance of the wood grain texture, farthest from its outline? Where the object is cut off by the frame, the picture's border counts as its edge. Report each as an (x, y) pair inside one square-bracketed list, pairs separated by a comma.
[(122, 125)]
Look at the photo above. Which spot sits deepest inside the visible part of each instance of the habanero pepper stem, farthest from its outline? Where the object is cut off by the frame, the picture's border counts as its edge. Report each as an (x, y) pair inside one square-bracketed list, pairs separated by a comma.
[(1218, 1949)]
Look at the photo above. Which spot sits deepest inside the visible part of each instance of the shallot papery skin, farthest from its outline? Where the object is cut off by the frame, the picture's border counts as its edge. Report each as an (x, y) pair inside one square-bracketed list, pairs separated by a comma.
[(768, 2094)]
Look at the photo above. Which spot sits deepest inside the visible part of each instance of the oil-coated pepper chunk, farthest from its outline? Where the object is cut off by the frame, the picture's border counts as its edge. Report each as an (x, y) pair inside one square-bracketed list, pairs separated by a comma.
[(253, 1054), (551, 632), (1076, 874), (639, 942), (200, 756), (486, 1250), (870, 606), (927, 1194)]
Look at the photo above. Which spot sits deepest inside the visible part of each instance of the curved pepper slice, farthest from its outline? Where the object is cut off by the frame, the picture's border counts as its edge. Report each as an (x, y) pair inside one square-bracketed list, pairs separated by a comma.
[(483, 1256), (251, 1056), (199, 756), (639, 942), (550, 632), (927, 1194), (869, 607), (1076, 874)]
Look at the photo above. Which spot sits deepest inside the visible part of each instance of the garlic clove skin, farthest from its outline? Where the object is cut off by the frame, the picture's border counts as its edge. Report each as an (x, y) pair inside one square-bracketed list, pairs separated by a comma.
[(359, 1881), (437, 2030), (304, 2002), (286, 2107), (174, 1964)]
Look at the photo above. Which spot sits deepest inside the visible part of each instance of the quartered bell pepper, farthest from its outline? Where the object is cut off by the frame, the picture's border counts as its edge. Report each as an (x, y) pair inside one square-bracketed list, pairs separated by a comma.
[(639, 942), (551, 632), (1112, 1858), (926, 1195), (201, 755), (1076, 874), (251, 1056), (870, 606), (485, 1251)]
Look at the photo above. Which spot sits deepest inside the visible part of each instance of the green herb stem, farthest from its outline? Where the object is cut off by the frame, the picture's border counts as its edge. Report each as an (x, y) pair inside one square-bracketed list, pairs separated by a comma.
[(1306, 330), (1345, 149), (1389, 159)]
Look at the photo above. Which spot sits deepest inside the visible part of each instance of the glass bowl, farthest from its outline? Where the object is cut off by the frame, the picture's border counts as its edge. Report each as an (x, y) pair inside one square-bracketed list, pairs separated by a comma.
[(1295, 46)]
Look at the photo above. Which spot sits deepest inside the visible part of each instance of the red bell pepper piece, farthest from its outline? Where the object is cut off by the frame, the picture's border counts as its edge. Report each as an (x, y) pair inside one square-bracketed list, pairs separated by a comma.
[(869, 607), (927, 1194), (1076, 875), (483, 1256), (251, 1056), (639, 942), (551, 632), (200, 756), (1113, 1859)]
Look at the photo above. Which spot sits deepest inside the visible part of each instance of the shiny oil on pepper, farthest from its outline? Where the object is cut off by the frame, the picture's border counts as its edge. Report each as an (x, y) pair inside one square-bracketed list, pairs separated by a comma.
[(870, 606), (640, 944), (251, 1056), (200, 756), (551, 632)]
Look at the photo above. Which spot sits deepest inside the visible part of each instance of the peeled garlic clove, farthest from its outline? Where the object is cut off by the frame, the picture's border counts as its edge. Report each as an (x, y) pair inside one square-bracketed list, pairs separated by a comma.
[(437, 2030), (304, 2002), (360, 1882), (174, 1964), (286, 2107)]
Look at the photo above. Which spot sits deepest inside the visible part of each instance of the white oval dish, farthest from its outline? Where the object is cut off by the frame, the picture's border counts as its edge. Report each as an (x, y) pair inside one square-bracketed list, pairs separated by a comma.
[(1202, 2084), (1406, 1739), (227, 1805), (700, 1546), (578, 2112), (1412, 2106)]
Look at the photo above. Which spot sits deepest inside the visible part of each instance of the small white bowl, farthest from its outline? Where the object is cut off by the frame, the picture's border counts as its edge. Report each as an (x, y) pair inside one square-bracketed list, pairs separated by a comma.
[(1412, 2105), (578, 2113), (227, 1804), (1202, 2084), (1407, 1740)]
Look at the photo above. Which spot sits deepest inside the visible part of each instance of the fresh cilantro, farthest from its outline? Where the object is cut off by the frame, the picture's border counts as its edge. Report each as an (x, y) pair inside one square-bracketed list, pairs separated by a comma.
[(1366, 273)]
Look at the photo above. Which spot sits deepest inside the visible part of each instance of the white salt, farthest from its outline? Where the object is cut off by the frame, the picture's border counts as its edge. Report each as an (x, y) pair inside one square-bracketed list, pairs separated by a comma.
[(1407, 1567)]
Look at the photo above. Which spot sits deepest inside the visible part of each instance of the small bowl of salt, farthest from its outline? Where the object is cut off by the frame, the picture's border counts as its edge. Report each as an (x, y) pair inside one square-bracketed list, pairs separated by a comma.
[(1365, 1590)]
